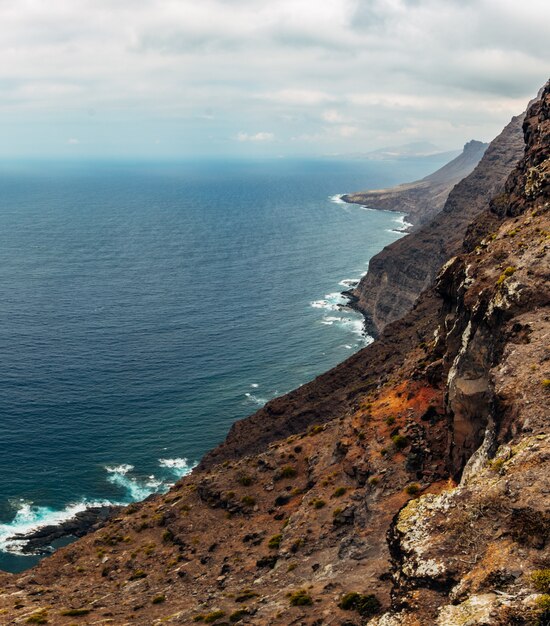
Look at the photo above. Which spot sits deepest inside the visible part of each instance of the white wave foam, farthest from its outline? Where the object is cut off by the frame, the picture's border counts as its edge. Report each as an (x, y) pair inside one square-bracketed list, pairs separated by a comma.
[(179, 467), (119, 469), (349, 282), (135, 489), (337, 199), (255, 399), (403, 224), (255, 385), (331, 302), (30, 518)]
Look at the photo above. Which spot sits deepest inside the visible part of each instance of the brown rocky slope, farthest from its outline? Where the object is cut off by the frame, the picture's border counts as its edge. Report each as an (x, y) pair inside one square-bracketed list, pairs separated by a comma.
[(422, 489)]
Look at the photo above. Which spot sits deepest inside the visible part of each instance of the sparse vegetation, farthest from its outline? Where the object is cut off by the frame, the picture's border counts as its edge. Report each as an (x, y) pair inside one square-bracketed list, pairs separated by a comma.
[(413, 489), (246, 594), (400, 442), (138, 574), (245, 480), (340, 491), (237, 615), (317, 503), (506, 274), (286, 472), (300, 598), (390, 421), (40, 617), (365, 605), (274, 542), (248, 500), (541, 580), (75, 612), (158, 599)]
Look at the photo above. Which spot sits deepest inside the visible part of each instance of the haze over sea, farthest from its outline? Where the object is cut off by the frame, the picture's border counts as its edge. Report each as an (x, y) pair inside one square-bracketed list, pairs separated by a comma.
[(147, 306)]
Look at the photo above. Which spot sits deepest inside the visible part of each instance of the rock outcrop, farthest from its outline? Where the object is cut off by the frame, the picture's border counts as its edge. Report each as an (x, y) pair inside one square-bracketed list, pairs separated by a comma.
[(401, 271), (423, 199), (406, 487)]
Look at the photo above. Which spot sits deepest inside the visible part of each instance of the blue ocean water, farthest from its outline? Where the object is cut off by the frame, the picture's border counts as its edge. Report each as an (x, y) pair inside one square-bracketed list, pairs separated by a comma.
[(146, 306)]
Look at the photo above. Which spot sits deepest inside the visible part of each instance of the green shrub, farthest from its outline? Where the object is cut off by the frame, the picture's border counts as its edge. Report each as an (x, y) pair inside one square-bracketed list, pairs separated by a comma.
[(413, 489), (339, 492), (248, 500), (400, 442), (546, 383), (237, 615), (214, 616), (158, 599), (317, 503), (245, 594), (75, 612), (137, 575), (390, 421), (40, 617), (541, 580), (287, 472), (315, 430), (245, 480), (365, 605), (274, 542), (300, 598)]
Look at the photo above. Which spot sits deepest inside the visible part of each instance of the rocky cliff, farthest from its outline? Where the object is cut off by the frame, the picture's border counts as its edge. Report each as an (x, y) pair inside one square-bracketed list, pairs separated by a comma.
[(407, 487), (402, 270), (422, 199)]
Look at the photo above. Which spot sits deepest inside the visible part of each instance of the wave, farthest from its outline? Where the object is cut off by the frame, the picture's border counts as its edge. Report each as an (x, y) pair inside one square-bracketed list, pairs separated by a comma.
[(178, 467), (349, 282), (337, 199), (255, 399), (331, 302), (29, 518)]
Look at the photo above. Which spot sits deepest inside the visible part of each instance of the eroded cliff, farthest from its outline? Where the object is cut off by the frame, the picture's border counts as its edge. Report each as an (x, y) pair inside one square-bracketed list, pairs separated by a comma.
[(408, 486), (401, 271)]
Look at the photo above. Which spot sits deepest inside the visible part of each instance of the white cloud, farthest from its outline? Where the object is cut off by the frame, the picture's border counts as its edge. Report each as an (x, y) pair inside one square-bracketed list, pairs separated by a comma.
[(334, 72), (262, 136), (332, 116)]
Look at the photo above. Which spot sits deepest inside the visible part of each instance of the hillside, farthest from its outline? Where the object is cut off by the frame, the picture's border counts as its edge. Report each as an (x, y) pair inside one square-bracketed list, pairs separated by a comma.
[(422, 199), (401, 271), (409, 486)]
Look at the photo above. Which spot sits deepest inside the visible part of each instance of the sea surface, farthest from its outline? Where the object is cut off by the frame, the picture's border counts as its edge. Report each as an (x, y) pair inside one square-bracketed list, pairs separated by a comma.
[(146, 306)]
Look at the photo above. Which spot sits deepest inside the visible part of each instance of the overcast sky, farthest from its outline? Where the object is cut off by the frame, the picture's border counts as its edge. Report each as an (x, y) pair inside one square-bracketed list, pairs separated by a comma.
[(267, 77)]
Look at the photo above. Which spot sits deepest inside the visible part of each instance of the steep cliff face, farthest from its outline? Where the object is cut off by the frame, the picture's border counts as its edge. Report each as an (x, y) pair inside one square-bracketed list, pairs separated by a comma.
[(400, 272), (423, 199), (339, 504)]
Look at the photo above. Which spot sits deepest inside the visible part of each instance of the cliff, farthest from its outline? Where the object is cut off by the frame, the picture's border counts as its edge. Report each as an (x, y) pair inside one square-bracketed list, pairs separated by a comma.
[(422, 199), (407, 487), (401, 271)]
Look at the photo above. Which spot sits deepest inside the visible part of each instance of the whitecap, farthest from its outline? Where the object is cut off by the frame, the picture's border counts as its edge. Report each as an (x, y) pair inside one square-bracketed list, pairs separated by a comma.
[(179, 466), (255, 399), (255, 385), (30, 518), (349, 282), (337, 199), (119, 469), (331, 302)]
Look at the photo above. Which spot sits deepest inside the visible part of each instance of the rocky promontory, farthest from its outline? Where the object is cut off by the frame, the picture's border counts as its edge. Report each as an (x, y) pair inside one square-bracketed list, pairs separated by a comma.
[(422, 199)]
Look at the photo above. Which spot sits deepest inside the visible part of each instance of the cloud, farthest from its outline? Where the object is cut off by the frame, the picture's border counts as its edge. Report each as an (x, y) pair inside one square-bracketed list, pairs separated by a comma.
[(262, 136), (342, 74), (73, 141)]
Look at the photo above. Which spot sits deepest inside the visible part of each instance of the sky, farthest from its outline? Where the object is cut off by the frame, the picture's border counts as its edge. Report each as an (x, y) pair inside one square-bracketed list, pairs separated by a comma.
[(184, 78)]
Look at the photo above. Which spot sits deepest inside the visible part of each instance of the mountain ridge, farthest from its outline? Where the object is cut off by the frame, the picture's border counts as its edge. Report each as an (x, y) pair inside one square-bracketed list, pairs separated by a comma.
[(408, 486)]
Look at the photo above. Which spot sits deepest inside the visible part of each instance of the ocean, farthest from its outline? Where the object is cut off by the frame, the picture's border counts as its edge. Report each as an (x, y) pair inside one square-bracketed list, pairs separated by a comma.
[(147, 306)]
